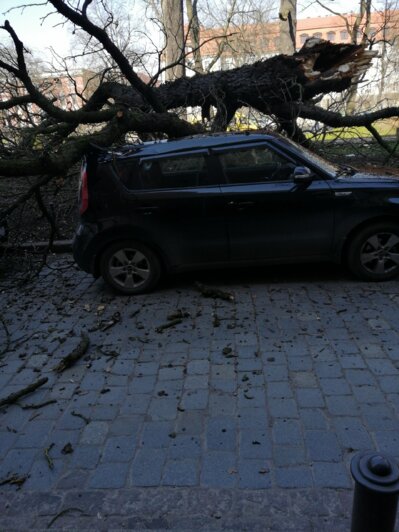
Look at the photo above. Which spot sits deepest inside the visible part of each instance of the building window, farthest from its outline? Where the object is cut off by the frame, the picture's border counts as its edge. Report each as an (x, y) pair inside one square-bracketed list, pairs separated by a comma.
[(303, 37), (331, 35), (344, 35), (317, 35)]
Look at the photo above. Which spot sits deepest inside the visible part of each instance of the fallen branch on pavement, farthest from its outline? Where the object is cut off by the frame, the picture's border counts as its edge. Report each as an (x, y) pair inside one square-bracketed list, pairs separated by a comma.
[(38, 405), (215, 293), (73, 357), (13, 397), (14, 479)]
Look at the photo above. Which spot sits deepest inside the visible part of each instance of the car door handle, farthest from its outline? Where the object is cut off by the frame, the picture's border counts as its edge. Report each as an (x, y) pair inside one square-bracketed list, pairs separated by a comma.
[(149, 209), (241, 204)]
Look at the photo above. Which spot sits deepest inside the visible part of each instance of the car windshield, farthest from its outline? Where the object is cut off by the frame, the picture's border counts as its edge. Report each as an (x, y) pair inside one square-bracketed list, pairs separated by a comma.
[(331, 168)]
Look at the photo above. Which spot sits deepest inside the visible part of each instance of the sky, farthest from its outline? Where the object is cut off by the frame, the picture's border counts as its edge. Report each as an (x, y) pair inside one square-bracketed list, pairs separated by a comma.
[(39, 35)]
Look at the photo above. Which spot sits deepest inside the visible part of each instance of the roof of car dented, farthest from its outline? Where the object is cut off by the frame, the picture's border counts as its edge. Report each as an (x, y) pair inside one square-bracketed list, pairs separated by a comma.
[(189, 143)]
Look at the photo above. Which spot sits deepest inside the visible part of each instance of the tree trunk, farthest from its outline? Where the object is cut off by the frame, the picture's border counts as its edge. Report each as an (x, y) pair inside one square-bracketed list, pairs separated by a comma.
[(287, 16), (194, 31), (172, 15)]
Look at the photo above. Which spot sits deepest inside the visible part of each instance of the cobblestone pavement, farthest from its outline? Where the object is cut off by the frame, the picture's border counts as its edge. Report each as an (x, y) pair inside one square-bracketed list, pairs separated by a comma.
[(244, 415)]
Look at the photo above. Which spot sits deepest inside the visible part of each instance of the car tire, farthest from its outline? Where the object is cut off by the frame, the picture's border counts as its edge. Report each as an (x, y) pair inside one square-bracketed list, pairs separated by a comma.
[(130, 267), (373, 253)]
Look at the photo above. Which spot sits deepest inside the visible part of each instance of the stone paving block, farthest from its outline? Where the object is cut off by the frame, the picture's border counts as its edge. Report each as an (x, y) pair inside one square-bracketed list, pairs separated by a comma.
[(109, 476), (181, 473), (275, 372), (293, 477), (94, 433), (223, 371), (166, 374), (388, 441), (185, 446), (279, 389), (286, 432), (219, 470), (41, 477), (331, 475), (358, 377), (198, 367), (119, 449), (17, 462), (352, 362), (85, 456), (289, 455), (163, 408), (92, 381), (341, 405), (111, 395), (337, 386), (322, 446), (135, 403), (389, 383), (191, 422), (147, 467), (142, 384), (368, 394), (382, 367), (254, 474), (286, 408), (255, 443), (303, 379), (222, 404), (193, 382), (221, 434), (124, 426), (313, 418), (252, 396), (300, 363), (146, 368), (249, 364), (223, 385), (309, 398), (34, 434), (157, 434), (195, 399), (328, 370)]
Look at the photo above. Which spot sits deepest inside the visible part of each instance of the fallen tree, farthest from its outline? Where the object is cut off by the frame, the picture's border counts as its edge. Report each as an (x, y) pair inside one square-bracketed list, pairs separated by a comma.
[(283, 87)]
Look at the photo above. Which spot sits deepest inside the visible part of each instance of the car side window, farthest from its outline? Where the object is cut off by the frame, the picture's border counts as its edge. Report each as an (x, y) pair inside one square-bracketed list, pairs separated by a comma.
[(174, 172), (255, 165)]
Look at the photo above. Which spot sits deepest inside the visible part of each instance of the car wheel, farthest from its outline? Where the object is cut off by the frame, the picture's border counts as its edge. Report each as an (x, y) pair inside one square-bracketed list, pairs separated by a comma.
[(130, 267), (373, 253)]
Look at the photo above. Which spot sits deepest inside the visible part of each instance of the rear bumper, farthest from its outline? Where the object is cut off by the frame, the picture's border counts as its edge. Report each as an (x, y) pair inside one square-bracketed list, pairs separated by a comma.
[(83, 247)]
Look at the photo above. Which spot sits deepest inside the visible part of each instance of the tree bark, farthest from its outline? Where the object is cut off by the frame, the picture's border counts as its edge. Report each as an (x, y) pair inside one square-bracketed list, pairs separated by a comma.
[(287, 16), (172, 19)]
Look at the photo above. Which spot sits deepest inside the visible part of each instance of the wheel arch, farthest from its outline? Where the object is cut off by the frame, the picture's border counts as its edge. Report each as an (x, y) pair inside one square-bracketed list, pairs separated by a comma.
[(119, 234), (343, 252)]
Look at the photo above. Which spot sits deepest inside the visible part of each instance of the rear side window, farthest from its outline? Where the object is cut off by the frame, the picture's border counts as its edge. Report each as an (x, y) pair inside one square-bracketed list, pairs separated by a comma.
[(169, 172), (255, 165)]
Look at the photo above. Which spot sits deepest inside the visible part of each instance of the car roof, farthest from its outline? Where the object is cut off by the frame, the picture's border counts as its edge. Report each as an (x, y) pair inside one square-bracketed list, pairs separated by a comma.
[(194, 142)]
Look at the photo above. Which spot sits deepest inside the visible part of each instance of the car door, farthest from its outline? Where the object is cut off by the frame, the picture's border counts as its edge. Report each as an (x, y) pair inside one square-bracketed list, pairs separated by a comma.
[(179, 207), (268, 216)]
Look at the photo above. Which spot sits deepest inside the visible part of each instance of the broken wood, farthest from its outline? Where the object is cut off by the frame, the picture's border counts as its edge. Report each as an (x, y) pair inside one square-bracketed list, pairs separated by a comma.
[(48, 457), (38, 405), (169, 324), (215, 293), (14, 479), (13, 397), (76, 354)]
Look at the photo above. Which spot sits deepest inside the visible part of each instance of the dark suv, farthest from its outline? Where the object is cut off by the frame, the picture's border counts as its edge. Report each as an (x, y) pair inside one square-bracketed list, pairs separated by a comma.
[(227, 199)]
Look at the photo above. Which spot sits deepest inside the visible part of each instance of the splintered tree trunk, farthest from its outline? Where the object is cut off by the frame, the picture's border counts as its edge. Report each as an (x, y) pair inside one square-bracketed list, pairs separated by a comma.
[(172, 14), (287, 16)]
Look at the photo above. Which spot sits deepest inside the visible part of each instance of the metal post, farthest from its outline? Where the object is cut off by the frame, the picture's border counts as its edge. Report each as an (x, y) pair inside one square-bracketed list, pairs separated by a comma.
[(375, 500)]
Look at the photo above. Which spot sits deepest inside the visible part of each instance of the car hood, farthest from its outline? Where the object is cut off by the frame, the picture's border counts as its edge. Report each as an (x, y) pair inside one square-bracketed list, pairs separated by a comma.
[(360, 177)]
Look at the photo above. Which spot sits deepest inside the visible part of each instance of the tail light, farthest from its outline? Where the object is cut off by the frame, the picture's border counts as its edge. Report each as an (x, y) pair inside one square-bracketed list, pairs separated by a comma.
[(84, 189)]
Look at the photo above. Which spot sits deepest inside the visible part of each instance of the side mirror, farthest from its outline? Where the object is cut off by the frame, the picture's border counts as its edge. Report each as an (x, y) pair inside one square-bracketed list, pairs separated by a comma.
[(302, 174)]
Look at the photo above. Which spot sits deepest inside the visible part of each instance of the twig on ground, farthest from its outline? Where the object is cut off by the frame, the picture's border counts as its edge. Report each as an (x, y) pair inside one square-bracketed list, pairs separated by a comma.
[(8, 340), (14, 479), (169, 324), (76, 354), (63, 512), (48, 457), (13, 397), (76, 414), (38, 405), (215, 293)]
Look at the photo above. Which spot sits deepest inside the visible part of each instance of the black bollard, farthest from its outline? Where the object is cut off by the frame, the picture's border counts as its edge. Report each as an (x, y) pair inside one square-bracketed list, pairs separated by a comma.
[(375, 500)]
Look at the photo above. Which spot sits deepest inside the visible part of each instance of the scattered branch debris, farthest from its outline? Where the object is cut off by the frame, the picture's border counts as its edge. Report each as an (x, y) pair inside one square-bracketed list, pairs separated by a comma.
[(169, 324), (14, 479), (63, 512), (48, 457), (13, 397), (107, 324), (38, 405), (76, 354), (67, 449), (228, 352), (215, 293), (5, 349), (85, 419), (179, 314)]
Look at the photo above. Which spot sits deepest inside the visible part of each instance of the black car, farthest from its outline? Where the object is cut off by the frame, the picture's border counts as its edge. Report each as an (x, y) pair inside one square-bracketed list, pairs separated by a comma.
[(229, 199)]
